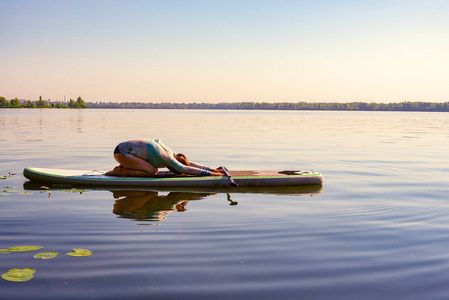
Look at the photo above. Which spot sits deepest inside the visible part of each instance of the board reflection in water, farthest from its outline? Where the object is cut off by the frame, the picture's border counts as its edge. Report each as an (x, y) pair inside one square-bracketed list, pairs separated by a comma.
[(156, 205)]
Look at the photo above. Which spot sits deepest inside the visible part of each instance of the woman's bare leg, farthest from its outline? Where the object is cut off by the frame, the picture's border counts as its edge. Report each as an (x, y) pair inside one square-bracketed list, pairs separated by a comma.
[(132, 166)]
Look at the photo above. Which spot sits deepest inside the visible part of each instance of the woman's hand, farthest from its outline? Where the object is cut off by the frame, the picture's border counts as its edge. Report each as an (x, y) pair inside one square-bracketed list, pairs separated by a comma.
[(217, 172)]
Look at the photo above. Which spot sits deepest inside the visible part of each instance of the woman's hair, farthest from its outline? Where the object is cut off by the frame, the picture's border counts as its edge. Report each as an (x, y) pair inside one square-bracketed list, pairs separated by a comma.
[(182, 159)]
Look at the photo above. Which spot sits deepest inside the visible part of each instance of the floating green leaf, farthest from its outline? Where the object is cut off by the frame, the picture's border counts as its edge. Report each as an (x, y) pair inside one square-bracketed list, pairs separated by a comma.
[(19, 275), (46, 255), (7, 176), (25, 193), (24, 248), (74, 190), (80, 252), (11, 189)]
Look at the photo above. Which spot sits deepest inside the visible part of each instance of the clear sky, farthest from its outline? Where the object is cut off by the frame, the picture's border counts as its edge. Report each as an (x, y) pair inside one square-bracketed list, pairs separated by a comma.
[(225, 50)]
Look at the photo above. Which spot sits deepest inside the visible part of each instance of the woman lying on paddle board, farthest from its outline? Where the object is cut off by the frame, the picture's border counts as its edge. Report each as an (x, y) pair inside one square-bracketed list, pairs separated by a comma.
[(143, 158)]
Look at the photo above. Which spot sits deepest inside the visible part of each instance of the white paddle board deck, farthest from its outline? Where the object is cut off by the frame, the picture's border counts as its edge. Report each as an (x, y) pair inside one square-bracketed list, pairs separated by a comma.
[(168, 179)]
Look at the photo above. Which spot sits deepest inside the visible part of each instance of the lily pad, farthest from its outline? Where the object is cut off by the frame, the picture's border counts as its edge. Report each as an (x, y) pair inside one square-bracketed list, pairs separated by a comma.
[(75, 191), (11, 191), (25, 193), (7, 176), (80, 253), (19, 275), (24, 248), (46, 255)]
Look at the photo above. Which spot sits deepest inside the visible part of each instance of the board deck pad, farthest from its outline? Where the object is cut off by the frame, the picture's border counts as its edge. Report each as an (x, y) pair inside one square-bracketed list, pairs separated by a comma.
[(169, 179)]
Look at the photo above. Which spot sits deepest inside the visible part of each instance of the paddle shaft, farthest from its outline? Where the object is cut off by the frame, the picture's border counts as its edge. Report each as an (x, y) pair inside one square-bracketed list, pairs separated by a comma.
[(231, 181)]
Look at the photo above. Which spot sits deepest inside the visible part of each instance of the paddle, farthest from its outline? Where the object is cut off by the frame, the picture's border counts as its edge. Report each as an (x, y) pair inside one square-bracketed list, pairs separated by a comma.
[(231, 181)]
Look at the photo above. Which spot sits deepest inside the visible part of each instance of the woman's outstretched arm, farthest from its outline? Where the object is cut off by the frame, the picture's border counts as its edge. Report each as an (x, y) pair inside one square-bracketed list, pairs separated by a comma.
[(199, 166)]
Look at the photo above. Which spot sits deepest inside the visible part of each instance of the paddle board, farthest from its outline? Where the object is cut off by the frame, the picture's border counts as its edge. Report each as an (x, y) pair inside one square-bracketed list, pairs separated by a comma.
[(168, 179)]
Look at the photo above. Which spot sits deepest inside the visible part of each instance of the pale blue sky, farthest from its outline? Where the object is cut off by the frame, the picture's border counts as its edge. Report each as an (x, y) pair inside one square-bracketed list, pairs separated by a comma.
[(225, 51)]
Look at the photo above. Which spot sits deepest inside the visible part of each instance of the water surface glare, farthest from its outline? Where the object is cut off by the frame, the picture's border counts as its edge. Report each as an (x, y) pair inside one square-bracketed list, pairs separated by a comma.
[(376, 229)]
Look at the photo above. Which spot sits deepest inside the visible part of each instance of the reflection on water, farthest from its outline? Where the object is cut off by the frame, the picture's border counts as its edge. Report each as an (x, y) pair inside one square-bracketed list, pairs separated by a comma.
[(149, 205), (153, 206)]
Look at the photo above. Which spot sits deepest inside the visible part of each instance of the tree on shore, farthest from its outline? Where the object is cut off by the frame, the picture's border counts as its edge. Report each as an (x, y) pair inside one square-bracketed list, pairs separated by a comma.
[(58, 105), (41, 103), (4, 103), (16, 103), (79, 103), (30, 104)]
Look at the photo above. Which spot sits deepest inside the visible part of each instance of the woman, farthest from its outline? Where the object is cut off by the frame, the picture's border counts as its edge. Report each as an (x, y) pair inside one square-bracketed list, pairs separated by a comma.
[(142, 158)]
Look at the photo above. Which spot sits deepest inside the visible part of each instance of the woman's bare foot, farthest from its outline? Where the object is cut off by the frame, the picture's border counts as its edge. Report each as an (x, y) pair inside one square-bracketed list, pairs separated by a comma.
[(124, 172), (117, 171)]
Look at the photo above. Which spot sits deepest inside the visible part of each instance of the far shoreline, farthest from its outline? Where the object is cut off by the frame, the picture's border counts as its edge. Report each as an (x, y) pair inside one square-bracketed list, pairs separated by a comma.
[(405, 106)]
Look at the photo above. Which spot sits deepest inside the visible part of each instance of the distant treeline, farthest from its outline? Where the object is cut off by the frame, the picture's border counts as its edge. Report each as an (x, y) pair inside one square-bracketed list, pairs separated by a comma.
[(16, 103), (350, 106), (357, 106)]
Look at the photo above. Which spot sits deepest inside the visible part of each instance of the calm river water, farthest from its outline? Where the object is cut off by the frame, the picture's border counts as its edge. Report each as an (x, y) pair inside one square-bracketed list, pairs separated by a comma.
[(378, 228)]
